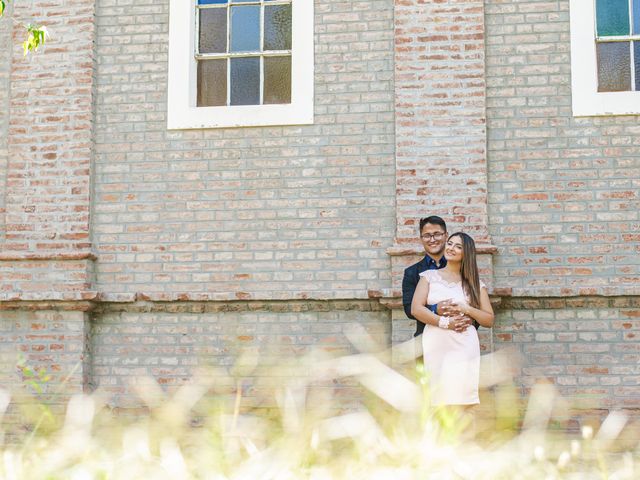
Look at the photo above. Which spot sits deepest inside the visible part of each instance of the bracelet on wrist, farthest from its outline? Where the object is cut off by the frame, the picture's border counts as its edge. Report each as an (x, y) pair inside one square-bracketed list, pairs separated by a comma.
[(443, 322)]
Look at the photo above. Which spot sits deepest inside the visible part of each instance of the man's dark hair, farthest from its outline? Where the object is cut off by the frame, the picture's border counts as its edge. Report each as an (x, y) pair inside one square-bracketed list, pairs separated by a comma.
[(433, 220)]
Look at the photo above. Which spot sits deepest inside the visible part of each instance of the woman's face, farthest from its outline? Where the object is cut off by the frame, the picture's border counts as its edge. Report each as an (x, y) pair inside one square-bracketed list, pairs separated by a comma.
[(453, 249)]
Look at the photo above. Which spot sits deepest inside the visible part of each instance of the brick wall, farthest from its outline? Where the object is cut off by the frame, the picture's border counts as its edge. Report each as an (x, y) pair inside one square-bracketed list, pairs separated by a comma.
[(192, 230), (52, 340), (6, 28), (281, 212), (588, 347), (49, 153), (440, 116), (169, 342), (564, 192)]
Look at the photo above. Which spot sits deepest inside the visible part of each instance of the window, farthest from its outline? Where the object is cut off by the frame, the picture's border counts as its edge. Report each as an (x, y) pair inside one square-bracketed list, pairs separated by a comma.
[(239, 63), (605, 57)]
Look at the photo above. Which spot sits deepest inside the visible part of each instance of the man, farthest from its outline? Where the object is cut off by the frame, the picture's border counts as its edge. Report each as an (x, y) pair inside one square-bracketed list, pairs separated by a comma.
[(433, 234)]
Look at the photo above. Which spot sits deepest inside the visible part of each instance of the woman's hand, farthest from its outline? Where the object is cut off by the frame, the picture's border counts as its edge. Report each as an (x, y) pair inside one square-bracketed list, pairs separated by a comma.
[(458, 308), (451, 307)]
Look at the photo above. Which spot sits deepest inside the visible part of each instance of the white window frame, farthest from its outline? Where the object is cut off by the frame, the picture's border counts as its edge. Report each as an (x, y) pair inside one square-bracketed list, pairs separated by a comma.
[(585, 98), (182, 112)]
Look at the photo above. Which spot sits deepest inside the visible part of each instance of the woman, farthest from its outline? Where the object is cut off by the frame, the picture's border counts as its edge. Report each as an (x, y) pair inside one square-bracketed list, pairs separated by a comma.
[(451, 349)]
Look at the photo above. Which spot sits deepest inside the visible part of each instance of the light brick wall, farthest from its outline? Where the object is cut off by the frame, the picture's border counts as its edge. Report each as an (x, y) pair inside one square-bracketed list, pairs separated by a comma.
[(564, 192), (169, 342), (52, 340), (281, 212), (193, 229), (587, 347)]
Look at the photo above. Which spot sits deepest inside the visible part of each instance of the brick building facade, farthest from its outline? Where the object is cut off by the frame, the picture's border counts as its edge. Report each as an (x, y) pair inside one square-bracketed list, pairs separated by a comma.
[(127, 249)]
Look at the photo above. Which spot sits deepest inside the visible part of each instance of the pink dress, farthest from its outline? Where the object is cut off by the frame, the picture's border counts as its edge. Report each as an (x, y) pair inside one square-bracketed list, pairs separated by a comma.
[(451, 359)]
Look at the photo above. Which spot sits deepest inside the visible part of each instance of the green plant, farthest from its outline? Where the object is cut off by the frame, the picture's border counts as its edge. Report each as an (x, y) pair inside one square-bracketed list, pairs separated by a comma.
[(36, 34), (215, 426)]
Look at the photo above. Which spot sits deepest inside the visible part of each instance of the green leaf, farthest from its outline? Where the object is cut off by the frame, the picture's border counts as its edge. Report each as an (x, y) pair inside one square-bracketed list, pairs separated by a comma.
[(36, 38), (2, 7)]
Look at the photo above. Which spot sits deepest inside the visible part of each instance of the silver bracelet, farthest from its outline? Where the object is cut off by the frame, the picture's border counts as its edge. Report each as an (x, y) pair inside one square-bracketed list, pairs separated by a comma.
[(443, 322)]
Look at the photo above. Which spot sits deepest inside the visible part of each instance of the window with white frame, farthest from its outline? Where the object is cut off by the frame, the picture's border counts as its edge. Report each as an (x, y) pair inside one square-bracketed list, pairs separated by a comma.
[(605, 57), (235, 63)]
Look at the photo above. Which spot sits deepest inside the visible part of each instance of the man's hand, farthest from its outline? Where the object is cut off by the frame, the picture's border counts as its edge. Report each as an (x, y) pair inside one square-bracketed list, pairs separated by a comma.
[(459, 321)]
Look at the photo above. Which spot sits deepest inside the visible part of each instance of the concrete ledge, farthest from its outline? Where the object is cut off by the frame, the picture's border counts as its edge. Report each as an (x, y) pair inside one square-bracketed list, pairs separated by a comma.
[(8, 256), (72, 296), (400, 250)]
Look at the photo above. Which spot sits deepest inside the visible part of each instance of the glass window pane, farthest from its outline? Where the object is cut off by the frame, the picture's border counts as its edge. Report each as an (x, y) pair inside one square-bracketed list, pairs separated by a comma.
[(277, 27), (213, 30), (614, 67), (245, 81), (245, 28), (212, 83), (636, 17), (210, 2), (612, 17), (277, 80)]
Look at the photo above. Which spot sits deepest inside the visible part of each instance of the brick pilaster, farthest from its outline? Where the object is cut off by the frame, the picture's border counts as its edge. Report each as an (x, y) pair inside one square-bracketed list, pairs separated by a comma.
[(46, 251), (441, 163), (46, 260), (441, 155)]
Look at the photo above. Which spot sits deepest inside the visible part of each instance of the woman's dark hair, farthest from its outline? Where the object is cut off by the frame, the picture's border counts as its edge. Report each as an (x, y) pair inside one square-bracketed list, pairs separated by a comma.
[(469, 269), (433, 220)]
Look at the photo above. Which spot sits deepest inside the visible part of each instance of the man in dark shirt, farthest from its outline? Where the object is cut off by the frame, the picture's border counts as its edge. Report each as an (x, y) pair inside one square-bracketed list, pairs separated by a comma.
[(433, 234)]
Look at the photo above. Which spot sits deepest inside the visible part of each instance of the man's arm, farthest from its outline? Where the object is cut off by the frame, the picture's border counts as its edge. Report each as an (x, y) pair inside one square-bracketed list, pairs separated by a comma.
[(408, 288), (409, 283)]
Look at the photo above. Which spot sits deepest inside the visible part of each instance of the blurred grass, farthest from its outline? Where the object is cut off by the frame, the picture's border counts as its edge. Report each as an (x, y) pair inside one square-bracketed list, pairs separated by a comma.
[(302, 430)]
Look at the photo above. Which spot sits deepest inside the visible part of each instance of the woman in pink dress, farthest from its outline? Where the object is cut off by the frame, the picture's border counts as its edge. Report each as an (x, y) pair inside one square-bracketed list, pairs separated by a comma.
[(450, 346)]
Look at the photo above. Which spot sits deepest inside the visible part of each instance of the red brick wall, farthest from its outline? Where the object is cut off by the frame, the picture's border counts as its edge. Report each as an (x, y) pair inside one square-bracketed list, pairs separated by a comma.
[(49, 143), (441, 163)]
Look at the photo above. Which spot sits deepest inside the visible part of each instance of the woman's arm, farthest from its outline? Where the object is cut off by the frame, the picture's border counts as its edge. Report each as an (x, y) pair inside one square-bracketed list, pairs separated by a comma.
[(418, 304), (483, 315)]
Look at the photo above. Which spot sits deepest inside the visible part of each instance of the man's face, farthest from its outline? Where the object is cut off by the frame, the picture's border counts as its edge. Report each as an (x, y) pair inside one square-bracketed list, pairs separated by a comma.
[(433, 239)]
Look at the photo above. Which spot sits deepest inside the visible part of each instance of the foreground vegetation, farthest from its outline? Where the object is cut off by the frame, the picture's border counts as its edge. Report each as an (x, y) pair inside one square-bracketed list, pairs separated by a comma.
[(297, 428)]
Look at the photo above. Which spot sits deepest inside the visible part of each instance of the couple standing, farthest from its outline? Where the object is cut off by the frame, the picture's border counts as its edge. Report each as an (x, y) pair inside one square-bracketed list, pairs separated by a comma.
[(443, 292)]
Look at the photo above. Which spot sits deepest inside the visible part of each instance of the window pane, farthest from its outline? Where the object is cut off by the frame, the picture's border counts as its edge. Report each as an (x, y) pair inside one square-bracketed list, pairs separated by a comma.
[(210, 2), (245, 81), (213, 30), (212, 83), (636, 17), (277, 80), (245, 28), (277, 27), (614, 67), (612, 17)]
